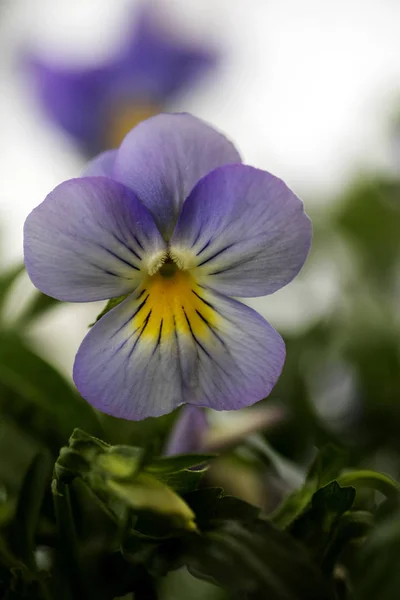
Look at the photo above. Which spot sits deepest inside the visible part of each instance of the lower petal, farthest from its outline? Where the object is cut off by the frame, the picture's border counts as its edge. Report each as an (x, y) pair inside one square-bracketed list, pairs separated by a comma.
[(172, 342)]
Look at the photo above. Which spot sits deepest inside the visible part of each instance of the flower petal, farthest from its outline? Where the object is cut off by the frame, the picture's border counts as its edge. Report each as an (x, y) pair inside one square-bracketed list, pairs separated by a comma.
[(188, 432), (73, 99), (102, 165), (245, 230), (89, 240), (173, 342), (164, 157)]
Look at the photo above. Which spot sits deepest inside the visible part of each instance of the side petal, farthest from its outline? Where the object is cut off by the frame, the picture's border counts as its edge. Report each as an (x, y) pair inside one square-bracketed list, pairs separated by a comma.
[(89, 240), (102, 165), (162, 159), (174, 343), (244, 230)]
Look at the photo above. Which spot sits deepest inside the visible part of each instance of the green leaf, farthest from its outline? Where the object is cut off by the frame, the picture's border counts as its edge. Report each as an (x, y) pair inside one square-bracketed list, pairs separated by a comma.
[(378, 573), (326, 466), (38, 306), (258, 560), (316, 527), (109, 306), (22, 531), (374, 480), (7, 278), (211, 507), (147, 494), (35, 396)]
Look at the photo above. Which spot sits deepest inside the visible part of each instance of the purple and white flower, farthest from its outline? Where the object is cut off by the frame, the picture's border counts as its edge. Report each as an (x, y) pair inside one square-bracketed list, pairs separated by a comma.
[(175, 223)]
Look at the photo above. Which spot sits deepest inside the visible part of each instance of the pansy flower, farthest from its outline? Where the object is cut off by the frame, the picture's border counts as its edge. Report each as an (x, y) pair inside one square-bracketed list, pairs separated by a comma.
[(98, 105), (173, 225)]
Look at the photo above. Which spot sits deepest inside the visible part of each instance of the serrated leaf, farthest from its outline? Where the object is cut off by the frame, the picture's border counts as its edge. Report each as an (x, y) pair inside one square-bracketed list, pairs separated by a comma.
[(317, 526), (326, 466), (258, 560)]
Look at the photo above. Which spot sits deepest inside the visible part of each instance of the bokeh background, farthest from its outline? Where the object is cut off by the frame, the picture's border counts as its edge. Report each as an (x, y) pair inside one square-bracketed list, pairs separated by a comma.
[(307, 90)]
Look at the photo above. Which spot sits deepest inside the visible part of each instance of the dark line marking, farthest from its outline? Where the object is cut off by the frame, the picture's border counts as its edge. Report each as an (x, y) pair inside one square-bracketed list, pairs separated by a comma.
[(205, 301), (131, 317), (193, 336), (145, 323), (125, 245), (119, 258), (138, 243), (215, 255), (158, 343), (212, 329), (203, 248)]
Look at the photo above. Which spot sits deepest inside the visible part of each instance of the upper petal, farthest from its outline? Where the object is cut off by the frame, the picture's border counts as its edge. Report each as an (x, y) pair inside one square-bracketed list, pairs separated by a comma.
[(174, 342), (101, 165), (72, 98), (162, 159), (90, 239), (244, 230)]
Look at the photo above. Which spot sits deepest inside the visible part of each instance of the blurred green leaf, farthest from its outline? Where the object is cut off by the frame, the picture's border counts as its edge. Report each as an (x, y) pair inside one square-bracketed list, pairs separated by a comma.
[(326, 466), (22, 530), (316, 527), (39, 304), (37, 398), (369, 215), (257, 561), (7, 278), (211, 507), (145, 493), (378, 573), (373, 480)]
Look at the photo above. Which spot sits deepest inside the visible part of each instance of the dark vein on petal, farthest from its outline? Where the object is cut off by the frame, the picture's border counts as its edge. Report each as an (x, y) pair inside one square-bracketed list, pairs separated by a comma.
[(212, 329), (215, 255), (193, 335), (145, 323), (205, 301), (131, 317), (203, 248), (158, 343), (129, 264), (125, 245)]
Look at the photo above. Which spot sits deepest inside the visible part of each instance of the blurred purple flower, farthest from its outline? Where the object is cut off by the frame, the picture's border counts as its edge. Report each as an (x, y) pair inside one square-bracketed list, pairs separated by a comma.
[(173, 221), (97, 106), (193, 432)]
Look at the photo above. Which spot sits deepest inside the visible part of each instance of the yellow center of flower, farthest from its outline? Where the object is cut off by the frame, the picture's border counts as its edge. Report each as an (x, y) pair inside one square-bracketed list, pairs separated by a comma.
[(126, 116), (171, 301)]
